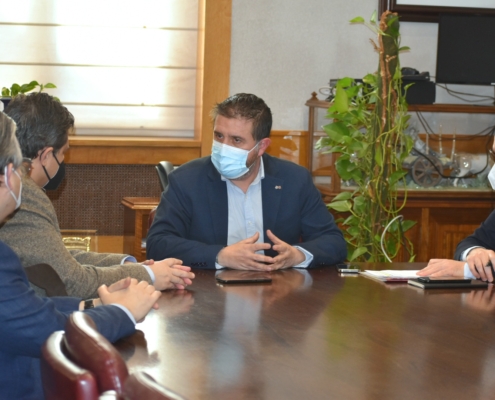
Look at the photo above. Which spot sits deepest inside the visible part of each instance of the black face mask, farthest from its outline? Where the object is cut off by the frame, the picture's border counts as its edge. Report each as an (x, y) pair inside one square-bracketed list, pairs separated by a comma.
[(54, 183)]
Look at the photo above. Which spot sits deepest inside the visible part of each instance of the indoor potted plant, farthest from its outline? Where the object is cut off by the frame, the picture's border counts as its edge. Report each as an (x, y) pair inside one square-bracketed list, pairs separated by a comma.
[(367, 131), (15, 89)]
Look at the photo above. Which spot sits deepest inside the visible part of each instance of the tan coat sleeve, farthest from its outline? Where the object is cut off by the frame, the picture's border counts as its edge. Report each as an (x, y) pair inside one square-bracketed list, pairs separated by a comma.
[(33, 233)]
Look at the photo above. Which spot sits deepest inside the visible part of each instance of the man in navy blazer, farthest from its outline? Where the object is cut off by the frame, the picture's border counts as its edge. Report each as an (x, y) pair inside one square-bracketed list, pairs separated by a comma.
[(26, 320), (241, 208)]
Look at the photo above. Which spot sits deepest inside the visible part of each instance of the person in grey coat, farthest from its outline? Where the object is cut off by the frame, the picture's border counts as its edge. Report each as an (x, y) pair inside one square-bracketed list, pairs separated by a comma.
[(43, 126)]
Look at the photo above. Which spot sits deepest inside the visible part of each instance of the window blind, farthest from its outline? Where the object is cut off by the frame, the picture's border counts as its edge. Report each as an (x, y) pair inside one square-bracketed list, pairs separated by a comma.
[(122, 67)]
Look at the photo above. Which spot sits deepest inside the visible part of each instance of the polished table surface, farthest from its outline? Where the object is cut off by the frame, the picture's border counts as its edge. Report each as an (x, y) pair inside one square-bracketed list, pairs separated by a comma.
[(319, 335)]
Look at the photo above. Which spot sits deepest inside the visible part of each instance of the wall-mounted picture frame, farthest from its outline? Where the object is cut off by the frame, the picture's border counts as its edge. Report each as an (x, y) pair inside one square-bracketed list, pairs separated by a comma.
[(429, 10)]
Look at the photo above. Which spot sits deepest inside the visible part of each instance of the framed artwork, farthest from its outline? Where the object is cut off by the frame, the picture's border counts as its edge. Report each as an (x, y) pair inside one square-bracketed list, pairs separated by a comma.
[(429, 10)]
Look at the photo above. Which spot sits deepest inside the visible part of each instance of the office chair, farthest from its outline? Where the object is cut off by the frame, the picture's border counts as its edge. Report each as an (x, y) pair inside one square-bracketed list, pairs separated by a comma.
[(142, 386), (61, 378), (46, 278), (164, 168), (92, 351)]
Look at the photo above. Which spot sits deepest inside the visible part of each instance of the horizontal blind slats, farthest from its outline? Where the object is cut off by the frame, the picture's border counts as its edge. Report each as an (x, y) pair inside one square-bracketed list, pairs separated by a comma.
[(98, 46), (151, 13)]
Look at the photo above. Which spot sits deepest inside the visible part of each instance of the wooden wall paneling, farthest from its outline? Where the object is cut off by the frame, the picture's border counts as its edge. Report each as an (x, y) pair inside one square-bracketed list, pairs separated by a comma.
[(448, 226), (214, 65), (289, 145), (443, 219), (119, 150)]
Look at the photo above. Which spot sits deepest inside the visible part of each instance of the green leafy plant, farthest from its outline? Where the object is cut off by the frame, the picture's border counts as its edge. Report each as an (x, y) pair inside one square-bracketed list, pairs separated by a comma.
[(367, 132), (15, 89)]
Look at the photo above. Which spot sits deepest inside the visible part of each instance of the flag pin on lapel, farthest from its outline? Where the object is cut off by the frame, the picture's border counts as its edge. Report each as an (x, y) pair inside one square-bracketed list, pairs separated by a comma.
[(278, 187)]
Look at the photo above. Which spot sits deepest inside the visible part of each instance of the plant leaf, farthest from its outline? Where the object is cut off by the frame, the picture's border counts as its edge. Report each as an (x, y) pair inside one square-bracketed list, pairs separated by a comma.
[(341, 101), (353, 231), (408, 224), (341, 206), (346, 82), (357, 20), (344, 168), (350, 220), (359, 205), (358, 252), (336, 131), (342, 196), (14, 89), (373, 17), (394, 178), (50, 86)]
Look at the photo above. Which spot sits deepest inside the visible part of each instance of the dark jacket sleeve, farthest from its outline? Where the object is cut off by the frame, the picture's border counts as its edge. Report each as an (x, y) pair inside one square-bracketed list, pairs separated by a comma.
[(180, 233), (483, 236), (26, 320)]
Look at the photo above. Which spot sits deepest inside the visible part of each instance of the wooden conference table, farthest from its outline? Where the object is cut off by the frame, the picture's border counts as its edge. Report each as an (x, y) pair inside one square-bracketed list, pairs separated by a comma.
[(319, 336)]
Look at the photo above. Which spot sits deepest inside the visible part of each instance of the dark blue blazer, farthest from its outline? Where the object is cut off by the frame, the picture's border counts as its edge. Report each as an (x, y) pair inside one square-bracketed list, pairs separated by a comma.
[(26, 321), (191, 222), (483, 236)]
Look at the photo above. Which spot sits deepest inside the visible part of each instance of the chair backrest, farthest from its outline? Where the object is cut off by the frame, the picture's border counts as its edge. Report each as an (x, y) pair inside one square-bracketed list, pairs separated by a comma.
[(142, 386), (91, 350), (45, 277), (61, 378), (164, 168)]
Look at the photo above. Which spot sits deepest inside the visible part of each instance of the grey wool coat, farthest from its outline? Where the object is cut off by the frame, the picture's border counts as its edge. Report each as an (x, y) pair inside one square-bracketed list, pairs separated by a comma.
[(34, 234)]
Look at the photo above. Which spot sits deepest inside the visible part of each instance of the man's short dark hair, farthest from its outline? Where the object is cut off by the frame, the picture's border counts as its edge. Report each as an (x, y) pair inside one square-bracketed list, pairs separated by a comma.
[(42, 121), (247, 106)]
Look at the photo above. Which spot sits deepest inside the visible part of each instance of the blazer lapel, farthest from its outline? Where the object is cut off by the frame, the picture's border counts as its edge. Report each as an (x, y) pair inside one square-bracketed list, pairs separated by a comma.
[(218, 205), (271, 193)]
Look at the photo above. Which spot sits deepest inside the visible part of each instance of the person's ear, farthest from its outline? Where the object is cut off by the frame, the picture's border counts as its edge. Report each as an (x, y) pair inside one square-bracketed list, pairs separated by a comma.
[(7, 175), (264, 143), (43, 154)]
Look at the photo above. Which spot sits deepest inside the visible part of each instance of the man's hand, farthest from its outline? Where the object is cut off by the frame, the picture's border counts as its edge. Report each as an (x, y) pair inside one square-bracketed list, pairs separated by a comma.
[(478, 260), (171, 274), (443, 267), (287, 257), (242, 255), (138, 297), (120, 285)]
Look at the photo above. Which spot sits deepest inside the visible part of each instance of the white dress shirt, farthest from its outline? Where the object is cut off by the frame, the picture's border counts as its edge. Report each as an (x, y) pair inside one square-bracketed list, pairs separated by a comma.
[(246, 215)]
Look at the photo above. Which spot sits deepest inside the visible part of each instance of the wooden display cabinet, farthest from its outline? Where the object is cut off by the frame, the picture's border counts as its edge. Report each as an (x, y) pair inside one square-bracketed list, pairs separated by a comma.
[(444, 216)]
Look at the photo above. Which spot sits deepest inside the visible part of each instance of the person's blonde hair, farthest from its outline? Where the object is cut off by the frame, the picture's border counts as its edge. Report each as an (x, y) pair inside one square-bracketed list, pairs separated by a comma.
[(10, 152)]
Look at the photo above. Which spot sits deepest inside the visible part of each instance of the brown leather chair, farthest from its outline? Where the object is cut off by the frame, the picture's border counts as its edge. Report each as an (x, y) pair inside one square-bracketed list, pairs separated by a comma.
[(45, 277), (142, 386), (61, 378), (92, 351)]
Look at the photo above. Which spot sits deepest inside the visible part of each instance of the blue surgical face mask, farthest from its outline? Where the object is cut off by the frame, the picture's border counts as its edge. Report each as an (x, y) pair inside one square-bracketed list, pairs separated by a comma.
[(16, 198), (230, 161)]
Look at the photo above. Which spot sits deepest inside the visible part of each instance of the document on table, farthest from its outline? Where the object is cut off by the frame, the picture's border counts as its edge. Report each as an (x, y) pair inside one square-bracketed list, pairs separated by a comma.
[(391, 275)]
